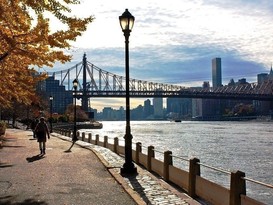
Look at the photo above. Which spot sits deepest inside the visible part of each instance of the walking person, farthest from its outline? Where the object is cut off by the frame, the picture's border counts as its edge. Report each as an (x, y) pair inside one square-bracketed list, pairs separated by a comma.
[(42, 131)]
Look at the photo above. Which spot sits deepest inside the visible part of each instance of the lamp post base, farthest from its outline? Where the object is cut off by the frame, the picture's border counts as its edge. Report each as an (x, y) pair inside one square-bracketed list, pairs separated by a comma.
[(128, 169)]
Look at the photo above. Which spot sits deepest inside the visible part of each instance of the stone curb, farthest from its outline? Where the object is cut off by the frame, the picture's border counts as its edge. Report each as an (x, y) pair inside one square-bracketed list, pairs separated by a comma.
[(113, 171)]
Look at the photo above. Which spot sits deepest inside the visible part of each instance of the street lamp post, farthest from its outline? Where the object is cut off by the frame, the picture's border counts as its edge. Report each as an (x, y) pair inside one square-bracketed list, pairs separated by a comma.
[(127, 22), (75, 86), (51, 119)]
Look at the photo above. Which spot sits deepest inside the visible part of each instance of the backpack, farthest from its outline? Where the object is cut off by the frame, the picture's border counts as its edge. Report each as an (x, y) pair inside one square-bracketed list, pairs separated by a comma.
[(40, 127)]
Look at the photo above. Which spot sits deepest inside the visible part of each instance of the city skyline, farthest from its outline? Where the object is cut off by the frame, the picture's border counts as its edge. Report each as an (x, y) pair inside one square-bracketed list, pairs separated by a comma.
[(174, 42)]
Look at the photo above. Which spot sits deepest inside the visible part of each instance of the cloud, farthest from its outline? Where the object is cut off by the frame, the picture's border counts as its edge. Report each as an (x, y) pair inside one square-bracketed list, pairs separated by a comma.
[(174, 41), (243, 26), (181, 65)]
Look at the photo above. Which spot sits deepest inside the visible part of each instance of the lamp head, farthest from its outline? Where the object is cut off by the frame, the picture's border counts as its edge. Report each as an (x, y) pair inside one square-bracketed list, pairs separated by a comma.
[(50, 97), (126, 21)]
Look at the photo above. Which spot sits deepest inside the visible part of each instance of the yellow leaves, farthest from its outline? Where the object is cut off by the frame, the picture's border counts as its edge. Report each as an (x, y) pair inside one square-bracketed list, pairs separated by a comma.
[(26, 41), (18, 82)]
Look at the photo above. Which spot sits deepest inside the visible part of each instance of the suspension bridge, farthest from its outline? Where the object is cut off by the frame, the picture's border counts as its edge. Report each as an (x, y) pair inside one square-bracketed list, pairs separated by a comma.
[(96, 82)]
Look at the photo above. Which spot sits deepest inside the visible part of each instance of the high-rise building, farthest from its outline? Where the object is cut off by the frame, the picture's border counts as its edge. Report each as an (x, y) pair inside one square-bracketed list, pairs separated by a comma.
[(61, 97), (262, 77), (179, 107), (108, 113), (210, 108), (148, 109), (158, 107), (263, 107), (216, 72)]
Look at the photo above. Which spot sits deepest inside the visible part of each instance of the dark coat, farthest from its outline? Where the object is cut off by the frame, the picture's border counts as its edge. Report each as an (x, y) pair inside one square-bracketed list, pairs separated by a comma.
[(41, 131)]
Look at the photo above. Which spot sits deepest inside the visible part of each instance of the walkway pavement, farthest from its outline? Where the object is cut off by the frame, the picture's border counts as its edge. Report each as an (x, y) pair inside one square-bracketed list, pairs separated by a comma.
[(76, 177)]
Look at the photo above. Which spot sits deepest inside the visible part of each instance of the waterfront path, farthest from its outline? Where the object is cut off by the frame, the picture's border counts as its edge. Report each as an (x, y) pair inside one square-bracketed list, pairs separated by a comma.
[(89, 174)]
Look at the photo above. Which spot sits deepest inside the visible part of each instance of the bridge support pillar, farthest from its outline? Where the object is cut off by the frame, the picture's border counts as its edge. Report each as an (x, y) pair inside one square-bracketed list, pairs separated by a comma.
[(84, 87)]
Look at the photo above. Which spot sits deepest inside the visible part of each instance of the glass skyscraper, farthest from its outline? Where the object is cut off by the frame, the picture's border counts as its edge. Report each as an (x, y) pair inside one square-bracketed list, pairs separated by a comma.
[(216, 73), (61, 97)]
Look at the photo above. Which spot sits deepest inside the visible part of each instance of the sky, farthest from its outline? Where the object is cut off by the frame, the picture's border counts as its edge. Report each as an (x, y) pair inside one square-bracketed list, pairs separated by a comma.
[(174, 41)]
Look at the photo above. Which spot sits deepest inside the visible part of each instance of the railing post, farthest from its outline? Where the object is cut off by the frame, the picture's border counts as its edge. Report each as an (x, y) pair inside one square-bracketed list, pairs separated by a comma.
[(116, 145), (194, 170), (168, 160), (138, 150), (89, 137), (97, 139), (237, 187), (105, 142), (151, 154), (83, 136)]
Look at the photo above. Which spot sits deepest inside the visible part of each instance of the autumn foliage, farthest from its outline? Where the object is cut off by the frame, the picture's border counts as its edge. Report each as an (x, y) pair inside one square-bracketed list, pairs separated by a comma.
[(26, 43), (80, 114)]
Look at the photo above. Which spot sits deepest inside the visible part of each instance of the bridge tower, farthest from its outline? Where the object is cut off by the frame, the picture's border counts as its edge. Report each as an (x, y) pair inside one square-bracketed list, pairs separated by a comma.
[(84, 86)]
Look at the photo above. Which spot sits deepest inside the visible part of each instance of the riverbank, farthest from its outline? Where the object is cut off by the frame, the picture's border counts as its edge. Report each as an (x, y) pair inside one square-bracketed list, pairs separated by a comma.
[(233, 118), (230, 145), (190, 180), (83, 176), (79, 125)]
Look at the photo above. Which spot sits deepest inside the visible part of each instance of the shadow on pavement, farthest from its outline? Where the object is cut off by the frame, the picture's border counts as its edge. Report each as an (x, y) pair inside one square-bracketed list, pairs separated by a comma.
[(137, 187), (4, 165), (4, 200), (35, 158), (69, 150), (14, 146)]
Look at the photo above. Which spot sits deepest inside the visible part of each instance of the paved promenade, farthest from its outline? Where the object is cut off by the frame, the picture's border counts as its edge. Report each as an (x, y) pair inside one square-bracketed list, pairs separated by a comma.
[(89, 174)]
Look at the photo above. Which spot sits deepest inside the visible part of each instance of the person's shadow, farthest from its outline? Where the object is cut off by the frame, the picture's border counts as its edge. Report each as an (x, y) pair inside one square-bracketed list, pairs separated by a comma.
[(35, 158)]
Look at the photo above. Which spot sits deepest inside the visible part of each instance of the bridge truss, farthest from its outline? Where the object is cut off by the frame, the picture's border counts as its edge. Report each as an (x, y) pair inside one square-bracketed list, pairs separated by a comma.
[(96, 82)]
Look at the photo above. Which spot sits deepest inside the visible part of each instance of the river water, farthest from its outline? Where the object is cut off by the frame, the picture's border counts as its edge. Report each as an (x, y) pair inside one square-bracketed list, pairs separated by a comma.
[(244, 146)]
